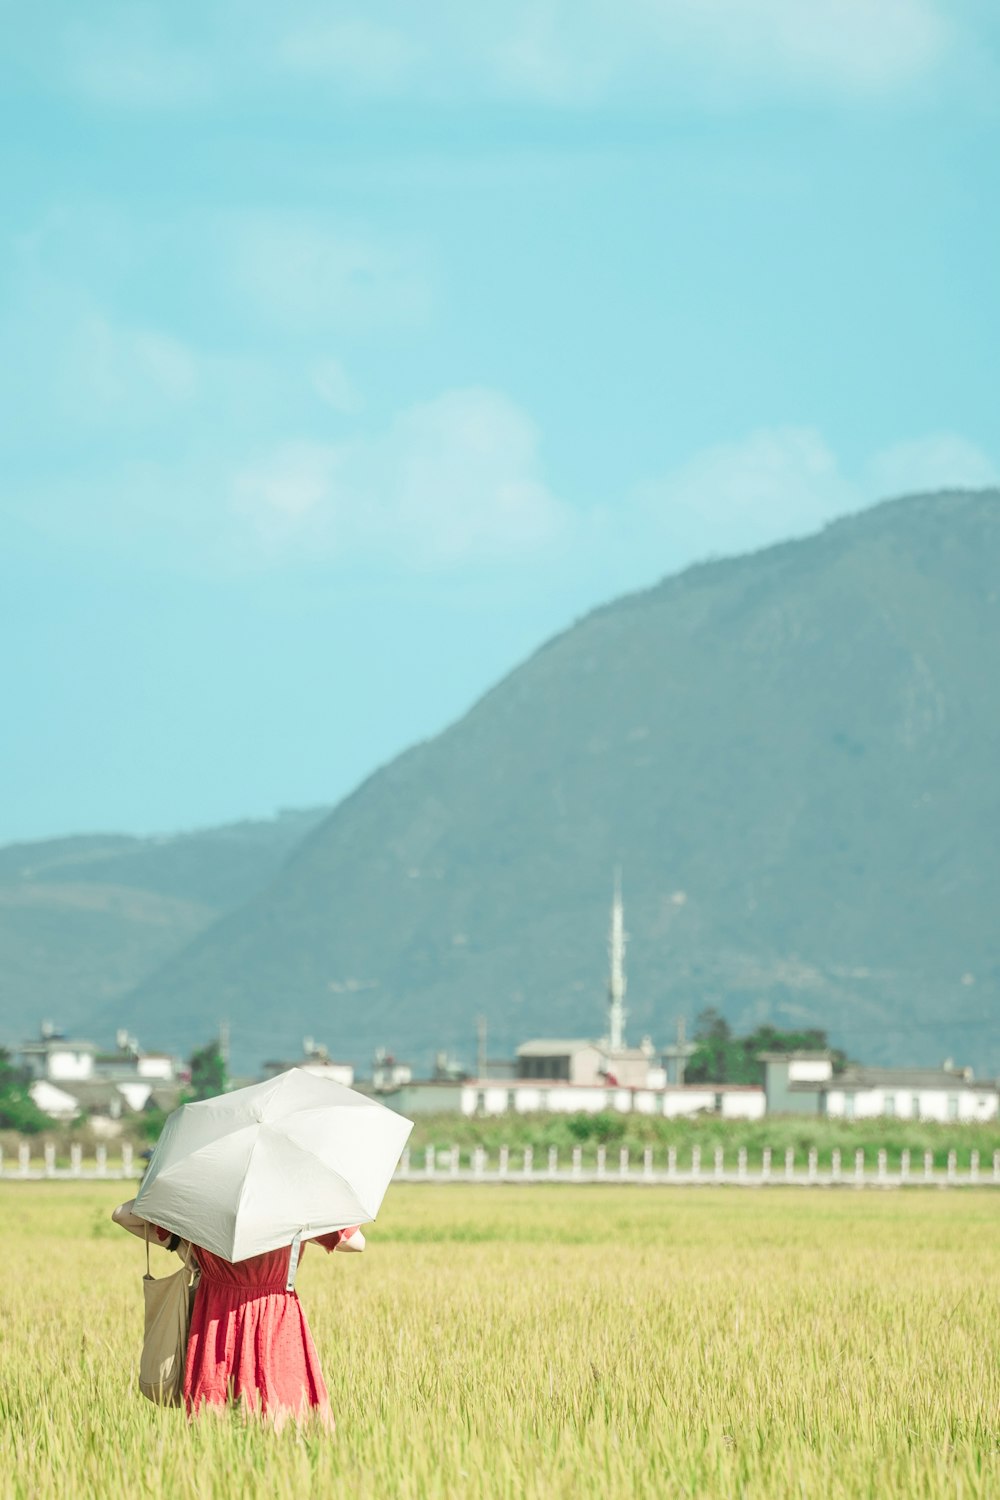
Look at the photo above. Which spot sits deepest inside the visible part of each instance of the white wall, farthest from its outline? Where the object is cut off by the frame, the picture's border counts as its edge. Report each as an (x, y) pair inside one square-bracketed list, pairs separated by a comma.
[(688, 1101), (584, 1065), (531, 1096), (136, 1095), (744, 1104), (67, 1064), (909, 1104), (156, 1067), (54, 1101), (809, 1070), (337, 1072)]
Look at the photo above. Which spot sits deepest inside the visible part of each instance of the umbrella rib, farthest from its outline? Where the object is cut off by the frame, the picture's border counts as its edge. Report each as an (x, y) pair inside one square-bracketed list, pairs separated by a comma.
[(243, 1186)]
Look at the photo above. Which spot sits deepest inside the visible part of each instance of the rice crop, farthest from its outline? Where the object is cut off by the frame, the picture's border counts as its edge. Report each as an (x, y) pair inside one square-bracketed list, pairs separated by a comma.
[(542, 1341)]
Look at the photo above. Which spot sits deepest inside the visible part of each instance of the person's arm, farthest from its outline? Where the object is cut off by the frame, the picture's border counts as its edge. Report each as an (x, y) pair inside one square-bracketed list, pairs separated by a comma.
[(126, 1218), (342, 1239)]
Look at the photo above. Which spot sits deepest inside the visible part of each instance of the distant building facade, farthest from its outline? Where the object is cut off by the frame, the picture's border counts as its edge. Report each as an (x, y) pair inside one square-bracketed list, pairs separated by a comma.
[(942, 1094), (804, 1083), (793, 1080), (71, 1079), (315, 1059)]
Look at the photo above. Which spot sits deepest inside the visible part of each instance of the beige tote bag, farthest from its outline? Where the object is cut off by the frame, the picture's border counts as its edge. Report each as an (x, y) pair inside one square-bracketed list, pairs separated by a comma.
[(168, 1301)]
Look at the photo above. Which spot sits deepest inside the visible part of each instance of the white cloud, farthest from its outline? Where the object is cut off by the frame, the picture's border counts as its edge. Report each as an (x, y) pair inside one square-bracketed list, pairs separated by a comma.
[(113, 370), (823, 45), (942, 460), (128, 62), (80, 367), (356, 55), (451, 481), (334, 385), (289, 498), (783, 482), (775, 483), (716, 52), (307, 274)]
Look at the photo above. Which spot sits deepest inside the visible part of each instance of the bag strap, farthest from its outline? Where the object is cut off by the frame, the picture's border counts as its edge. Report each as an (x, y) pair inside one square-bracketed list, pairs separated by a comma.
[(145, 1233), (293, 1261)]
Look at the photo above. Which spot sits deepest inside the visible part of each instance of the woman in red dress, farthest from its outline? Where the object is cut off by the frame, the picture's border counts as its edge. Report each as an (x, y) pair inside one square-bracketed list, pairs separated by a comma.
[(249, 1341)]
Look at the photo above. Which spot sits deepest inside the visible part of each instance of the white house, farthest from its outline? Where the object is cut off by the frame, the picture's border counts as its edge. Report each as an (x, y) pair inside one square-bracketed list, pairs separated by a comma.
[(589, 1063), (159, 1066), (556, 1059), (53, 1101), (315, 1059), (104, 1104), (56, 1058), (910, 1094), (556, 1096), (793, 1081)]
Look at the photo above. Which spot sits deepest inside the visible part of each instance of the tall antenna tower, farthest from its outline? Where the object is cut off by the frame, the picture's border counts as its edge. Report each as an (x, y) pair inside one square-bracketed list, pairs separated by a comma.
[(617, 1014)]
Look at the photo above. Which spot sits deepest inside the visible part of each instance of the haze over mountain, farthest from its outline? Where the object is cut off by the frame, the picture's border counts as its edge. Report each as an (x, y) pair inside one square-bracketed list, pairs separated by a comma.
[(793, 757), (83, 919)]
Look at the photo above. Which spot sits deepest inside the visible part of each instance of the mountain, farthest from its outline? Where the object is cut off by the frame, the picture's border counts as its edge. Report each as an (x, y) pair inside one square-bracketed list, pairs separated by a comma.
[(83, 920), (792, 755)]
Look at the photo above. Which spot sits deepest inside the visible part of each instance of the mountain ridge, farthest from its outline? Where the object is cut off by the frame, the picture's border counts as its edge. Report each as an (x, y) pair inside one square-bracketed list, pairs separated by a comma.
[(790, 752), (84, 917)]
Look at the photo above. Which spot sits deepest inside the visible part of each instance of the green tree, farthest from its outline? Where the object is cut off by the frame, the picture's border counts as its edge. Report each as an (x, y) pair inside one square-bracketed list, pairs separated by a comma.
[(208, 1072), (716, 1057), (720, 1057), (18, 1111)]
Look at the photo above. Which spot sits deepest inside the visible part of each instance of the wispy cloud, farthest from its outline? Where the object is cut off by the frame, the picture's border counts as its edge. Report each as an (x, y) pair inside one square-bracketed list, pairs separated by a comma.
[(551, 53), (334, 386), (783, 482), (774, 483), (308, 273), (577, 52), (355, 55), (941, 460), (126, 59), (453, 480)]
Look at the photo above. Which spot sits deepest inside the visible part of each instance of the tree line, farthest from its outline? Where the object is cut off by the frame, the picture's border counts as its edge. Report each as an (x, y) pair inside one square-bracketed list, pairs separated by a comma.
[(719, 1056)]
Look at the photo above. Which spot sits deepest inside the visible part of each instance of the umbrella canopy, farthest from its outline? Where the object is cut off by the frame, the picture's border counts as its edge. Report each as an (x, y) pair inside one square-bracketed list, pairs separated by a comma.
[(250, 1171)]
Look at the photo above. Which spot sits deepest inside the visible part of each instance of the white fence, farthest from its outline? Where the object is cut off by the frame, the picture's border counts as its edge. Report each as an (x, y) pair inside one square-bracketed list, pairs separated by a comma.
[(774, 1169), (28, 1165)]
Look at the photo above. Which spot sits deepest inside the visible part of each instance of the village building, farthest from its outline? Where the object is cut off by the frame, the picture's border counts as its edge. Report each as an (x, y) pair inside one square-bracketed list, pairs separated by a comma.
[(388, 1072), (491, 1097), (56, 1058), (71, 1079), (943, 1094), (804, 1083), (315, 1059), (793, 1080)]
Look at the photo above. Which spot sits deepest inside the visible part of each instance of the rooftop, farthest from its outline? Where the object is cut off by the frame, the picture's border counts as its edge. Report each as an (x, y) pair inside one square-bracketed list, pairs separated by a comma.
[(57, 1044), (906, 1078), (794, 1057), (549, 1047)]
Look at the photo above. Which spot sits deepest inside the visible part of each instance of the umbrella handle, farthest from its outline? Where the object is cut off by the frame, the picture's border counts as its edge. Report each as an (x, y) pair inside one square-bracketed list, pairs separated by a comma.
[(293, 1261)]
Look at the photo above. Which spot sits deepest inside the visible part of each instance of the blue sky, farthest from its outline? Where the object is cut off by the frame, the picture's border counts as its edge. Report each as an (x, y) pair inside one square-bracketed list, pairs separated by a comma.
[(350, 352)]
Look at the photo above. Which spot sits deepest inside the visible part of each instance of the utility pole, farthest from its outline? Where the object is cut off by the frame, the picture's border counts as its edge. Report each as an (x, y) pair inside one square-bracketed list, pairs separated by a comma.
[(481, 1047), (224, 1044), (681, 1058)]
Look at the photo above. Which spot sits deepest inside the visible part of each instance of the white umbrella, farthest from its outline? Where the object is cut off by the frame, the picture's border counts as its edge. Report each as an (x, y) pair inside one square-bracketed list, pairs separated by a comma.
[(261, 1167)]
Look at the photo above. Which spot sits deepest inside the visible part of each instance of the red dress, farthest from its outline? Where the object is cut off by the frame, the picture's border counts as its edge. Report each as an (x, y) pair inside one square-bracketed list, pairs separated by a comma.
[(249, 1340)]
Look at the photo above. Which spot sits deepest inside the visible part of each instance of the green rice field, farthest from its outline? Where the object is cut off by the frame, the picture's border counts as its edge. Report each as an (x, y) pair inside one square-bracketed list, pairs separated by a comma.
[(542, 1341)]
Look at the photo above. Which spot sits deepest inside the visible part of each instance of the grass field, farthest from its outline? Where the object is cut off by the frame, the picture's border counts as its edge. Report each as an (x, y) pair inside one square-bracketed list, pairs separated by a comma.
[(543, 1342)]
